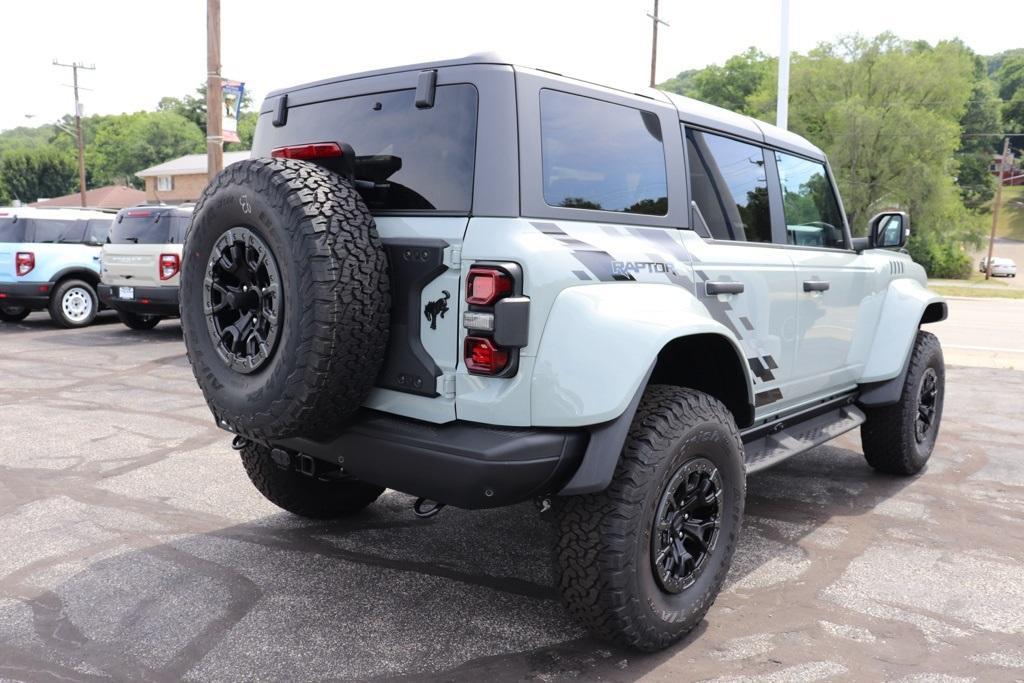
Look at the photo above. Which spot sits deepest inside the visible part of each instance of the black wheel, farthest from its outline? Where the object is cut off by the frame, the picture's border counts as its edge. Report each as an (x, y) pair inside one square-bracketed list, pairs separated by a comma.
[(284, 298), (325, 497), (73, 303), (12, 314), (899, 439), (138, 322), (642, 561)]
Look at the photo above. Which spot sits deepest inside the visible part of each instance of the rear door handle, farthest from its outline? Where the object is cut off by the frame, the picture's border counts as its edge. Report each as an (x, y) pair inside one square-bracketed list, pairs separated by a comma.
[(713, 288), (815, 285)]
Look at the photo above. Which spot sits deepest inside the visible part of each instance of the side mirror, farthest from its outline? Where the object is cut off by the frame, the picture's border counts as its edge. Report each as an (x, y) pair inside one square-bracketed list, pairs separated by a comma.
[(889, 230)]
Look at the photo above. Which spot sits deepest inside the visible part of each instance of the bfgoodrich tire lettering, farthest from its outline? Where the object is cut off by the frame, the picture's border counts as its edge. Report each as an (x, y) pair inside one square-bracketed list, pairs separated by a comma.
[(331, 307), (899, 439), (606, 551)]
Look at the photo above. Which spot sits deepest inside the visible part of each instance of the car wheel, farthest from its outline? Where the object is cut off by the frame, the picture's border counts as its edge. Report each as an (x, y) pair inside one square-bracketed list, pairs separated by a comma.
[(73, 304), (641, 562), (317, 497), (285, 299), (899, 439), (138, 322), (13, 314)]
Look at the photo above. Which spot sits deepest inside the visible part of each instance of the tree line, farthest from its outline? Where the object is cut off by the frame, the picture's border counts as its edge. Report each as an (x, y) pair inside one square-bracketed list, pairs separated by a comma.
[(42, 161), (904, 123)]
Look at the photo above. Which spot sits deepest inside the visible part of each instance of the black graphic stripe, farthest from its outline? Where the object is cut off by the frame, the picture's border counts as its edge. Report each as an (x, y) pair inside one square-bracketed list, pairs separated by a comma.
[(763, 398), (598, 263)]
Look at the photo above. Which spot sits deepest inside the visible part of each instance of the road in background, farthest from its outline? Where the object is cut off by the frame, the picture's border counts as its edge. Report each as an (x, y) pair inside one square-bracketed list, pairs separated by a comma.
[(983, 333), (133, 547)]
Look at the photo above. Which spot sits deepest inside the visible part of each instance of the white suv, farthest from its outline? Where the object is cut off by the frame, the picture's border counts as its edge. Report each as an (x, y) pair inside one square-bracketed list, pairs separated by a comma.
[(482, 284)]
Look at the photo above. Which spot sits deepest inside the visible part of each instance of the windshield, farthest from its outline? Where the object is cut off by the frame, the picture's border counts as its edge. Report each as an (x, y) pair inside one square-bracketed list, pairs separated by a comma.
[(148, 227), (12, 230)]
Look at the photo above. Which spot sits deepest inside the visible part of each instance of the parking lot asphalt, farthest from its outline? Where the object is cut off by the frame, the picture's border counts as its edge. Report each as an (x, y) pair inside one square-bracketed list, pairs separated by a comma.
[(133, 547)]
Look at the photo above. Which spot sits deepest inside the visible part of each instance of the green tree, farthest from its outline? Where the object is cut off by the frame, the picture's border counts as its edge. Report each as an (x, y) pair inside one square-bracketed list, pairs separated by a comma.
[(682, 83), (126, 144), (729, 85), (982, 117), (32, 174)]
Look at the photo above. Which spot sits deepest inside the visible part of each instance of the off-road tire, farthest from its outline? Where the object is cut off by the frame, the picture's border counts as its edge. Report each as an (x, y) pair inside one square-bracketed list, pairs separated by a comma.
[(888, 436), (13, 314), (335, 295), (607, 577), (303, 495), (138, 322), (56, 306)]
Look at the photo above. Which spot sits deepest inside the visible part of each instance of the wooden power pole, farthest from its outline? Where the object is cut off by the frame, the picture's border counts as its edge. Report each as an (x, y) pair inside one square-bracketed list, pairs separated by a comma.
[(654, 41), (995, 206), (214, 94), (75, 66)]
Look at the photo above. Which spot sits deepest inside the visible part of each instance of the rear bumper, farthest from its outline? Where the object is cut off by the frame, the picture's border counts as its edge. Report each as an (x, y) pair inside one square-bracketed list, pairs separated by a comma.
[(33, 295), (147, 301), (464, 464)]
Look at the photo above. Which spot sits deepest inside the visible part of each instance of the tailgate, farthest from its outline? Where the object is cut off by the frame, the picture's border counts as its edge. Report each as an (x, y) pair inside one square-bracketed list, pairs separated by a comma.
[(131, 264)]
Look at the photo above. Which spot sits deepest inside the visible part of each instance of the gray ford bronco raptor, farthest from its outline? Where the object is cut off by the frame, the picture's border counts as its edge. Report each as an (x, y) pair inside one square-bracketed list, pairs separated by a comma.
[(482, 284)]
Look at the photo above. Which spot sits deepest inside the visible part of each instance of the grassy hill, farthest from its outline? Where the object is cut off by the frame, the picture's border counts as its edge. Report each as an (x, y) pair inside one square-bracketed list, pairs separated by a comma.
[(1011, 215)]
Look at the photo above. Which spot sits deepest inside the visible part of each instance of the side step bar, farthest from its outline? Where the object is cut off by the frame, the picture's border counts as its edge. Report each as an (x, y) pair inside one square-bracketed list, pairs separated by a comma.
[(786, 442)]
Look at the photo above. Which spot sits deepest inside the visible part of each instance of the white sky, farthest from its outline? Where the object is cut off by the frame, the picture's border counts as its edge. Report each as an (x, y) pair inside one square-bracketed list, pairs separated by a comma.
[(144, 50)]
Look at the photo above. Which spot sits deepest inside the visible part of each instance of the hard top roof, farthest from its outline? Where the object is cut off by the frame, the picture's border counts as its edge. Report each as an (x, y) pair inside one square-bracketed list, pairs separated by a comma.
[(690, 110), (62, 213), (174, 209)]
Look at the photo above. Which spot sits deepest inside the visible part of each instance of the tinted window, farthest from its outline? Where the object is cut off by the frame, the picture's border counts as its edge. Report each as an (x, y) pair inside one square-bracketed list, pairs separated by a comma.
[(141, 227), (96, 230), (730, 187), (57, 230), (179, 226), (12, 229), (598, 155), (405, 158), (812, 212)]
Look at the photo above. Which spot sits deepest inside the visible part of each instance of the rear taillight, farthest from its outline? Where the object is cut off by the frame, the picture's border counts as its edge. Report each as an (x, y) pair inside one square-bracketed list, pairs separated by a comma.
[(483, 357), (484, 286), (170, 264), (24, 262), (310, 152)]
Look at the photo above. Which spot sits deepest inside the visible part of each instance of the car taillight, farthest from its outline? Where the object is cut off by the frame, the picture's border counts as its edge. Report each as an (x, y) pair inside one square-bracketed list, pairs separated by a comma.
[(484, 285), (170, 264), (483, 357), (24, 262), (316, 150)]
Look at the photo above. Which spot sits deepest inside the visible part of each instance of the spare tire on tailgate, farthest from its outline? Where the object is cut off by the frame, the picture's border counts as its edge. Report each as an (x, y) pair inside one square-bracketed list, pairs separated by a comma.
[(284, 298)]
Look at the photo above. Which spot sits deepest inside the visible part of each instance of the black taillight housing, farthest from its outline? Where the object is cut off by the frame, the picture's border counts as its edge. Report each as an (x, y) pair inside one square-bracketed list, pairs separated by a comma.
[(496, 319)]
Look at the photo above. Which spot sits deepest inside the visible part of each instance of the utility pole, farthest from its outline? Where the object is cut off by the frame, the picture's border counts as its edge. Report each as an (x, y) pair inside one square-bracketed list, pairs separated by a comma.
[(782, 103), (995, 206), (75, 66), (654, 40), (214, 122)]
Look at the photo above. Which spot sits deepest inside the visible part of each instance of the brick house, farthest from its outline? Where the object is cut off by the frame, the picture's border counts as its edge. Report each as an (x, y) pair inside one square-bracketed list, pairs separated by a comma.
[(181, 180)]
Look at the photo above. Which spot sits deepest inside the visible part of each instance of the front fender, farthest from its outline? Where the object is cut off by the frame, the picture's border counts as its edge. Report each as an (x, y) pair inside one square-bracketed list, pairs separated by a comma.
[(902, 311), (601, 341)]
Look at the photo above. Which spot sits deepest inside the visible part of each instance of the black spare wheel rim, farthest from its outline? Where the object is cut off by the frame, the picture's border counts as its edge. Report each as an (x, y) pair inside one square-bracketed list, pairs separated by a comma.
[(927, 403), (686, 525), (242, 300)]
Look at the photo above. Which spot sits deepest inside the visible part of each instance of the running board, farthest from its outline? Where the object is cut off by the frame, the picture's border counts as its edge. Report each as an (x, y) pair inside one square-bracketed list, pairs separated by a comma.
[(773, 448)]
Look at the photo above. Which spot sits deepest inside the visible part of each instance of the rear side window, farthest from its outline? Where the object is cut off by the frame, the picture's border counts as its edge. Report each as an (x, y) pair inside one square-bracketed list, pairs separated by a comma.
[(12, 229), (812, 212), (600, 155), (57, 231), (179, 225), (141, 227), (97, 229), (406, 158), (730, 187)]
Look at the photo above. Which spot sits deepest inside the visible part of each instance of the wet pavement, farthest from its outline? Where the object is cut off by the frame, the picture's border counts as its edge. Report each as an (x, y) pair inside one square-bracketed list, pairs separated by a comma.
[(133, 547)]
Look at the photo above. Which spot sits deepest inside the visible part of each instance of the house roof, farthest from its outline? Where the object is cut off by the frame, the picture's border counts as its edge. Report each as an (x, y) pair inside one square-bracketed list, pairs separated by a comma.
[(189, 164), (108, 197)]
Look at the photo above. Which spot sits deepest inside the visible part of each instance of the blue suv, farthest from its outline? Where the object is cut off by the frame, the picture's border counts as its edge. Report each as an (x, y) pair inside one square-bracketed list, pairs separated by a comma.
[(49, 259)]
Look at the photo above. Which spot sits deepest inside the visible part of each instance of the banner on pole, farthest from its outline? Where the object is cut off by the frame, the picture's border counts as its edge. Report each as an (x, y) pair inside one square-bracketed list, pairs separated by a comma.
[(232, 98)]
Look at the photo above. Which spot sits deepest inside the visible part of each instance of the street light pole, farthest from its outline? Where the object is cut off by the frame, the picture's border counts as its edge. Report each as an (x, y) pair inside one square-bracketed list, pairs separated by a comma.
[(782, 104), (995, 206), (75, 66), (214, 122), (654, 41)]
